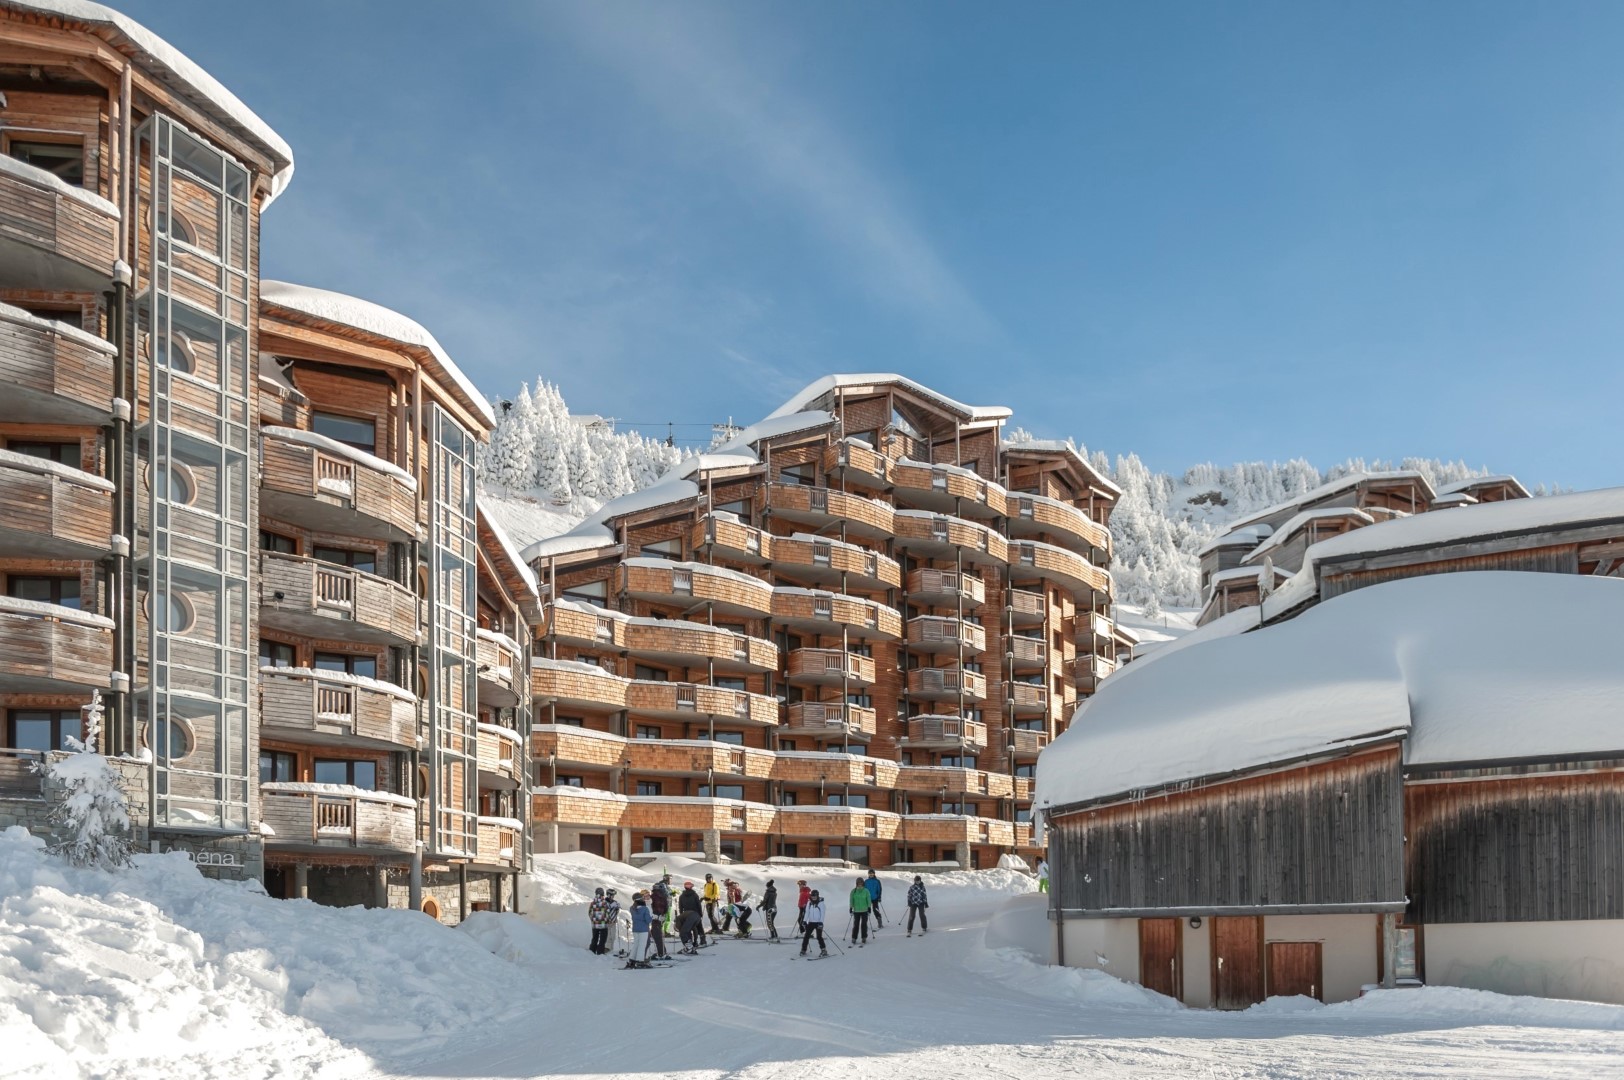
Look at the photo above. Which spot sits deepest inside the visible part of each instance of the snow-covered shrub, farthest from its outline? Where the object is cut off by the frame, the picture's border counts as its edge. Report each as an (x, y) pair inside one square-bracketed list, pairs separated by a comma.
[(88, 809)]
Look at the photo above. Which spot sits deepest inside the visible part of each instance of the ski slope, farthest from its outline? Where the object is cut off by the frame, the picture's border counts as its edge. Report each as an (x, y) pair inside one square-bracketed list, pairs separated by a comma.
[(157, 974)]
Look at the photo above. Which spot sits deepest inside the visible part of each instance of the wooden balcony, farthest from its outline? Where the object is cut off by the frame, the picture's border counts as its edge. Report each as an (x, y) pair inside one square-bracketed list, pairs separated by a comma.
[(857, 462), (691, 644), (691, 585), (696, 757), (570, 684), (581, 624), (821, 560), (299, 817), (814, 612), (946, 732), (589, 807), (831, 771), (1094, 631), (837, 822), (831, 719), (1090, 671), (1024, 786), (1030, 559), (1027, 653), (946, 684), (501, 757), (53, 373), (938, 536), (1026, 608), (945, 588), (332, 491), (950, 780), (578, 748), (690, 701), (1023, 837), (53, 236), (822, 507), (302, 595), (956, 829), (947, 489), (499, 678), (52, 511), (1024, 743), (1035, 516), (724, 535), (300, 703), (500, 842), (830, 667), (1026, 699), (46, 649), (940, 634), (675, 813)]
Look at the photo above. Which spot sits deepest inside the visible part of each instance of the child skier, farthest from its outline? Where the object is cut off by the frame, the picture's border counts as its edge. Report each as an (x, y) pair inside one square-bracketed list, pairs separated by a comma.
[(597, 912), (861, 902), (917, 905), (800, 902), (642, 919), (1043, 875), (812, 914)]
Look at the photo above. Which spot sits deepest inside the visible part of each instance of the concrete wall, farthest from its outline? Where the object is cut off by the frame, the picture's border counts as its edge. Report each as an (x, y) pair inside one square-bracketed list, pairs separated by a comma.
[(1108, 945), (1348, 948), (1197, 964), (1582, 960)]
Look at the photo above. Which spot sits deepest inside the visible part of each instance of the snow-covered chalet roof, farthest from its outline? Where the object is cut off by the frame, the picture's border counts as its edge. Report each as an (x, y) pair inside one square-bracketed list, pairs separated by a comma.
[(818, 388), (1511, 517), (488, 516), (1247, 537), (594, 531), (1421, 658), (1284, 533), (170, 66), (379, 321), (1328, 490), (1493, 480), (1060, 446)]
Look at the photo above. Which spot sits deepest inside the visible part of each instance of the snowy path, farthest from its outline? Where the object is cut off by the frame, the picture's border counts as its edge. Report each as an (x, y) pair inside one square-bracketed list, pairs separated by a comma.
[(937, 1007)]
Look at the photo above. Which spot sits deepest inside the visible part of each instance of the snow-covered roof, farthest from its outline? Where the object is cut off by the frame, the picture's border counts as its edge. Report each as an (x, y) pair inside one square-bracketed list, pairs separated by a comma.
[(775, 426), (176, 70), (1420, 657), (1491, 480), (829, 383), (1247, 537), (594, 531), (1454, 499), (378, 320), (1604, 506), (508, 549), (1328, 490), (1252, 573), (1291, 528), (1062, 446)]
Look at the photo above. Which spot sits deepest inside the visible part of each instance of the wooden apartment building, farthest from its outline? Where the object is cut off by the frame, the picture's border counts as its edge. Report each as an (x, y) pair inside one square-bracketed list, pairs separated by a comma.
[(846, 634)]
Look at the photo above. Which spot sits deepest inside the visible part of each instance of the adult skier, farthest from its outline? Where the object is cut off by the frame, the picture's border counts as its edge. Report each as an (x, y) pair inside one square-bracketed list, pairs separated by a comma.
[(713, 896), (659, 906), (861, 902), (671, 907), (813, 916), (872, 884), (597, 912), (1043, 875), (917, 903), (769, 911), (800, 902), (642, 919), (691, 925)]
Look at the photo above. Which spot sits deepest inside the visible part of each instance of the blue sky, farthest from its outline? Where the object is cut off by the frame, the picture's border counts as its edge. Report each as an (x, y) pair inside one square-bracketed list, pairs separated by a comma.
[(1194, 231)]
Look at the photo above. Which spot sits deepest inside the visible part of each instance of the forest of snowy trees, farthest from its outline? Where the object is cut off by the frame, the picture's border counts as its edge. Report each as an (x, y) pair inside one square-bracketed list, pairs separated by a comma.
[(545, 470)]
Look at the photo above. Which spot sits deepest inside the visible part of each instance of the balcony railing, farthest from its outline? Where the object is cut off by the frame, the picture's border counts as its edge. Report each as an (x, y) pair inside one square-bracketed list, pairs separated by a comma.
[(53, 372), (825, 560), (942, 536), (306, 702), (724, 534), (1089, 671), (53, 511), (947, 487), (946, 587), (1026, 608), (577, 685), (307, 596), (951, 780), (54, 236), (824, 506), (689, 583), (696, 644), (1029, 558), (858, 461), (1026, 698), (49, 649), (829, 667), (313, 481), (323, 815), (501, 751), (500, 841), (1031, 515), (683, 701), (499, 679), (938, 633), (583, 624), (1023, 742), (830, 613), (947, 684), (951, 731), (1027, 652), (831, 718)]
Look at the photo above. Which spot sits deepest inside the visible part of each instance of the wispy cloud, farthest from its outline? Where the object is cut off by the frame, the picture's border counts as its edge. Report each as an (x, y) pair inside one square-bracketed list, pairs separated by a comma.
[(708, 86)]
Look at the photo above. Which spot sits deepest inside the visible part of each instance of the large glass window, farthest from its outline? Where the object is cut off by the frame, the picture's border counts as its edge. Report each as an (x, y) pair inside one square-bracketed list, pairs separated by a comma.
[(361, 774), (349, 664), (270, 541), (723, 791), (277, 766), (649, 787), (63, 453), (43, 729), (366, 561), (65, 160), (62, 591), (275, 653), (349, 430)]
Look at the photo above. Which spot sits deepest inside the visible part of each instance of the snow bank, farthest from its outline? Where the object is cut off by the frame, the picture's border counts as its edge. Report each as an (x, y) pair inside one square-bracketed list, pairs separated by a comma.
[(157, 970), (1426, 653)]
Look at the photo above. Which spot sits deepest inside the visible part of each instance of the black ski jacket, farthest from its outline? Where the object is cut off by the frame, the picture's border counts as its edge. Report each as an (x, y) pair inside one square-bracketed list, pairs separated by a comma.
[(688, 901), (769, 899)]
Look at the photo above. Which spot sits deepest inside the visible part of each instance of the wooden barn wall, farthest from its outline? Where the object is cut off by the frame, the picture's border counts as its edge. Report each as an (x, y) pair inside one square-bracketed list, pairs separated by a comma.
[(1328, 833), (1516, 849), (1550, 560)]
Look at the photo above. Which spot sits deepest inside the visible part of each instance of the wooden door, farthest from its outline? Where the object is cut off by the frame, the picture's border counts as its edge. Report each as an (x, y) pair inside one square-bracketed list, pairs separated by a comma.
[(1296, 967), (595, 844), (1161, 956), (1237, 961)]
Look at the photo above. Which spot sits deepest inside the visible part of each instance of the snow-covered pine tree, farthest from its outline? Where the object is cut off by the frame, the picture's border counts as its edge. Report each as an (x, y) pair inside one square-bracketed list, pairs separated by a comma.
[(88, 810)]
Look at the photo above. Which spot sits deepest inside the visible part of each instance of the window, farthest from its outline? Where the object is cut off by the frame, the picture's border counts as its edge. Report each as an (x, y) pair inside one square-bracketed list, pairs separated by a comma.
[(174, 617), (654, 843), (1030, 725), (179, 228), (44, 729), (276, 766), (365, 666), (788, 798), (366, 561), (595, 593), (269, 541), (790, 851), (727, 682), (1028, 771), (62, 591), (63, 453), (62, 159), (649, 787), (786, 744), (662, 549), (174, 352), (858, 648), (361, 774), (871, 437), (954, 761), (649, 731), (648, 674), (732, 850), (570, 721), (739, 508), (349, 430), (732, 738), (170, 738), (862, 700), (275, 653), (1024, 814), (723, 791), (857, 749), (797, 474), (571, 781), (846, 800), (172, 483), (858, 853)]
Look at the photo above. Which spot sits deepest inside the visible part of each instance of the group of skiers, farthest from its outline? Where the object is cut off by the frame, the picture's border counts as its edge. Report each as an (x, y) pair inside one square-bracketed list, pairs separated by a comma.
[(653, 916)]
